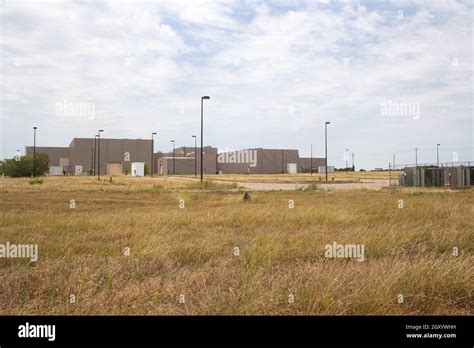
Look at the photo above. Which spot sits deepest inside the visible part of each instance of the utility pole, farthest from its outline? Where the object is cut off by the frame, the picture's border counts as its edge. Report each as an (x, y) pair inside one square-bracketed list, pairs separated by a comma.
[(353, 168), (311, 159)]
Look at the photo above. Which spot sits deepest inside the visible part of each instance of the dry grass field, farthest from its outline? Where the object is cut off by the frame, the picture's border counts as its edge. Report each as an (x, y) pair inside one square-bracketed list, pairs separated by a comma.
[(129, 248), (305, 177)]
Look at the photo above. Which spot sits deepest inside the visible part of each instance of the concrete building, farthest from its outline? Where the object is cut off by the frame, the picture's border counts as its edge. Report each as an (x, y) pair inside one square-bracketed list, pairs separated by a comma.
[(184, 161), (58, 156), (304, 164), (256, 161), (182, 165), (117, 156)]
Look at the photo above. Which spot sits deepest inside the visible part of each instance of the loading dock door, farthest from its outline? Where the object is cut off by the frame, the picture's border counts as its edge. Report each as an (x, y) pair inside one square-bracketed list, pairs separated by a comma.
[(114, 168)]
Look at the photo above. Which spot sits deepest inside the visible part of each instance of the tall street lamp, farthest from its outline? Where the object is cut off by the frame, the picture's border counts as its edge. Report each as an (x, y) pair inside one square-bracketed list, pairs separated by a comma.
[(416, 157), (202, 129), (92, 161), (95, 153), (437, 154), (152, 157), (173, 155), (282, 165), (195, 156), (326, 147), (347, 150), (34, 150), (98, 154)]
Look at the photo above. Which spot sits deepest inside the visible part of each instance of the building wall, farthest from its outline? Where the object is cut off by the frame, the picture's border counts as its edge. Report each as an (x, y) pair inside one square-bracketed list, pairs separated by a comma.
[(124, 151), (209, 160), (81, 153), (183, 165), (304, 164), (54, 153), (269, 161)]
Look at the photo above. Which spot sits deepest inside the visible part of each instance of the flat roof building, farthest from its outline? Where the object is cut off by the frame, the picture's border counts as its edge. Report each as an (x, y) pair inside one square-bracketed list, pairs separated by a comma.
[(117, 155)]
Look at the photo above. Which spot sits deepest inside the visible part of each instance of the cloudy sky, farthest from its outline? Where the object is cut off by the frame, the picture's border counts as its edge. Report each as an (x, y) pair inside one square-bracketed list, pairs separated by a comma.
[(389, 76)]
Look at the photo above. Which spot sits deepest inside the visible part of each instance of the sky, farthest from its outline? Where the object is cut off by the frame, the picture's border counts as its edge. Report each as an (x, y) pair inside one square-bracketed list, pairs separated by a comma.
[(389, 76)]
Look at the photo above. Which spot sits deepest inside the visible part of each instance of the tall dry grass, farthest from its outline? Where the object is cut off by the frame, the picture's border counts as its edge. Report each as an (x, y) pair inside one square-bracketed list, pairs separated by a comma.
[(191, 251)]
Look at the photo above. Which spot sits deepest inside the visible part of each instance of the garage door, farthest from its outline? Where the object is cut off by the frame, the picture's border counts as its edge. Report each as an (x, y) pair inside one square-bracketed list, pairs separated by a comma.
[(114, 168)]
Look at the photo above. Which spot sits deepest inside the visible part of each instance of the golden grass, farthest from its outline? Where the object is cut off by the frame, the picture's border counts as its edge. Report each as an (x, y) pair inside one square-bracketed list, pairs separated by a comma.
[(190, 251), (304, 177)]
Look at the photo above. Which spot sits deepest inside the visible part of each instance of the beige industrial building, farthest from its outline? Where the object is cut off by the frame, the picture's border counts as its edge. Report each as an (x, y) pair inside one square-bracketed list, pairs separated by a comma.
[(185, 162), (258, 160), (117, 156), (306, 162)]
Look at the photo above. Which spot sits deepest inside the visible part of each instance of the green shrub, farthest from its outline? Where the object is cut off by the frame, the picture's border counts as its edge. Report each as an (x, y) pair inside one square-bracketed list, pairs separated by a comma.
[(23, 166)]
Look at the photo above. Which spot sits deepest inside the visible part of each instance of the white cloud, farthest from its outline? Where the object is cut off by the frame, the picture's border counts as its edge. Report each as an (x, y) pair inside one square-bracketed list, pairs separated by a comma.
[(145, 65)]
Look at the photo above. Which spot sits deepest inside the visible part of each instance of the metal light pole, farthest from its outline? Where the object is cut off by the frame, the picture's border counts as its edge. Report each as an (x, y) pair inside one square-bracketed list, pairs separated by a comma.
[(92, 161), (389, 175), (347, 150), (95, 152), (195, 156), (437, 154), (353, 167), (152, 157), (416, 157), (173, 155), (326, 147), (98, 154), (202, 129), (282, 170), (311, 159), (34, 150)]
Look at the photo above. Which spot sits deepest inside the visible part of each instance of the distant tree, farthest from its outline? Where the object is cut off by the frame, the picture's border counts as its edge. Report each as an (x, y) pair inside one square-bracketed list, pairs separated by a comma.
[(23, 166)]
